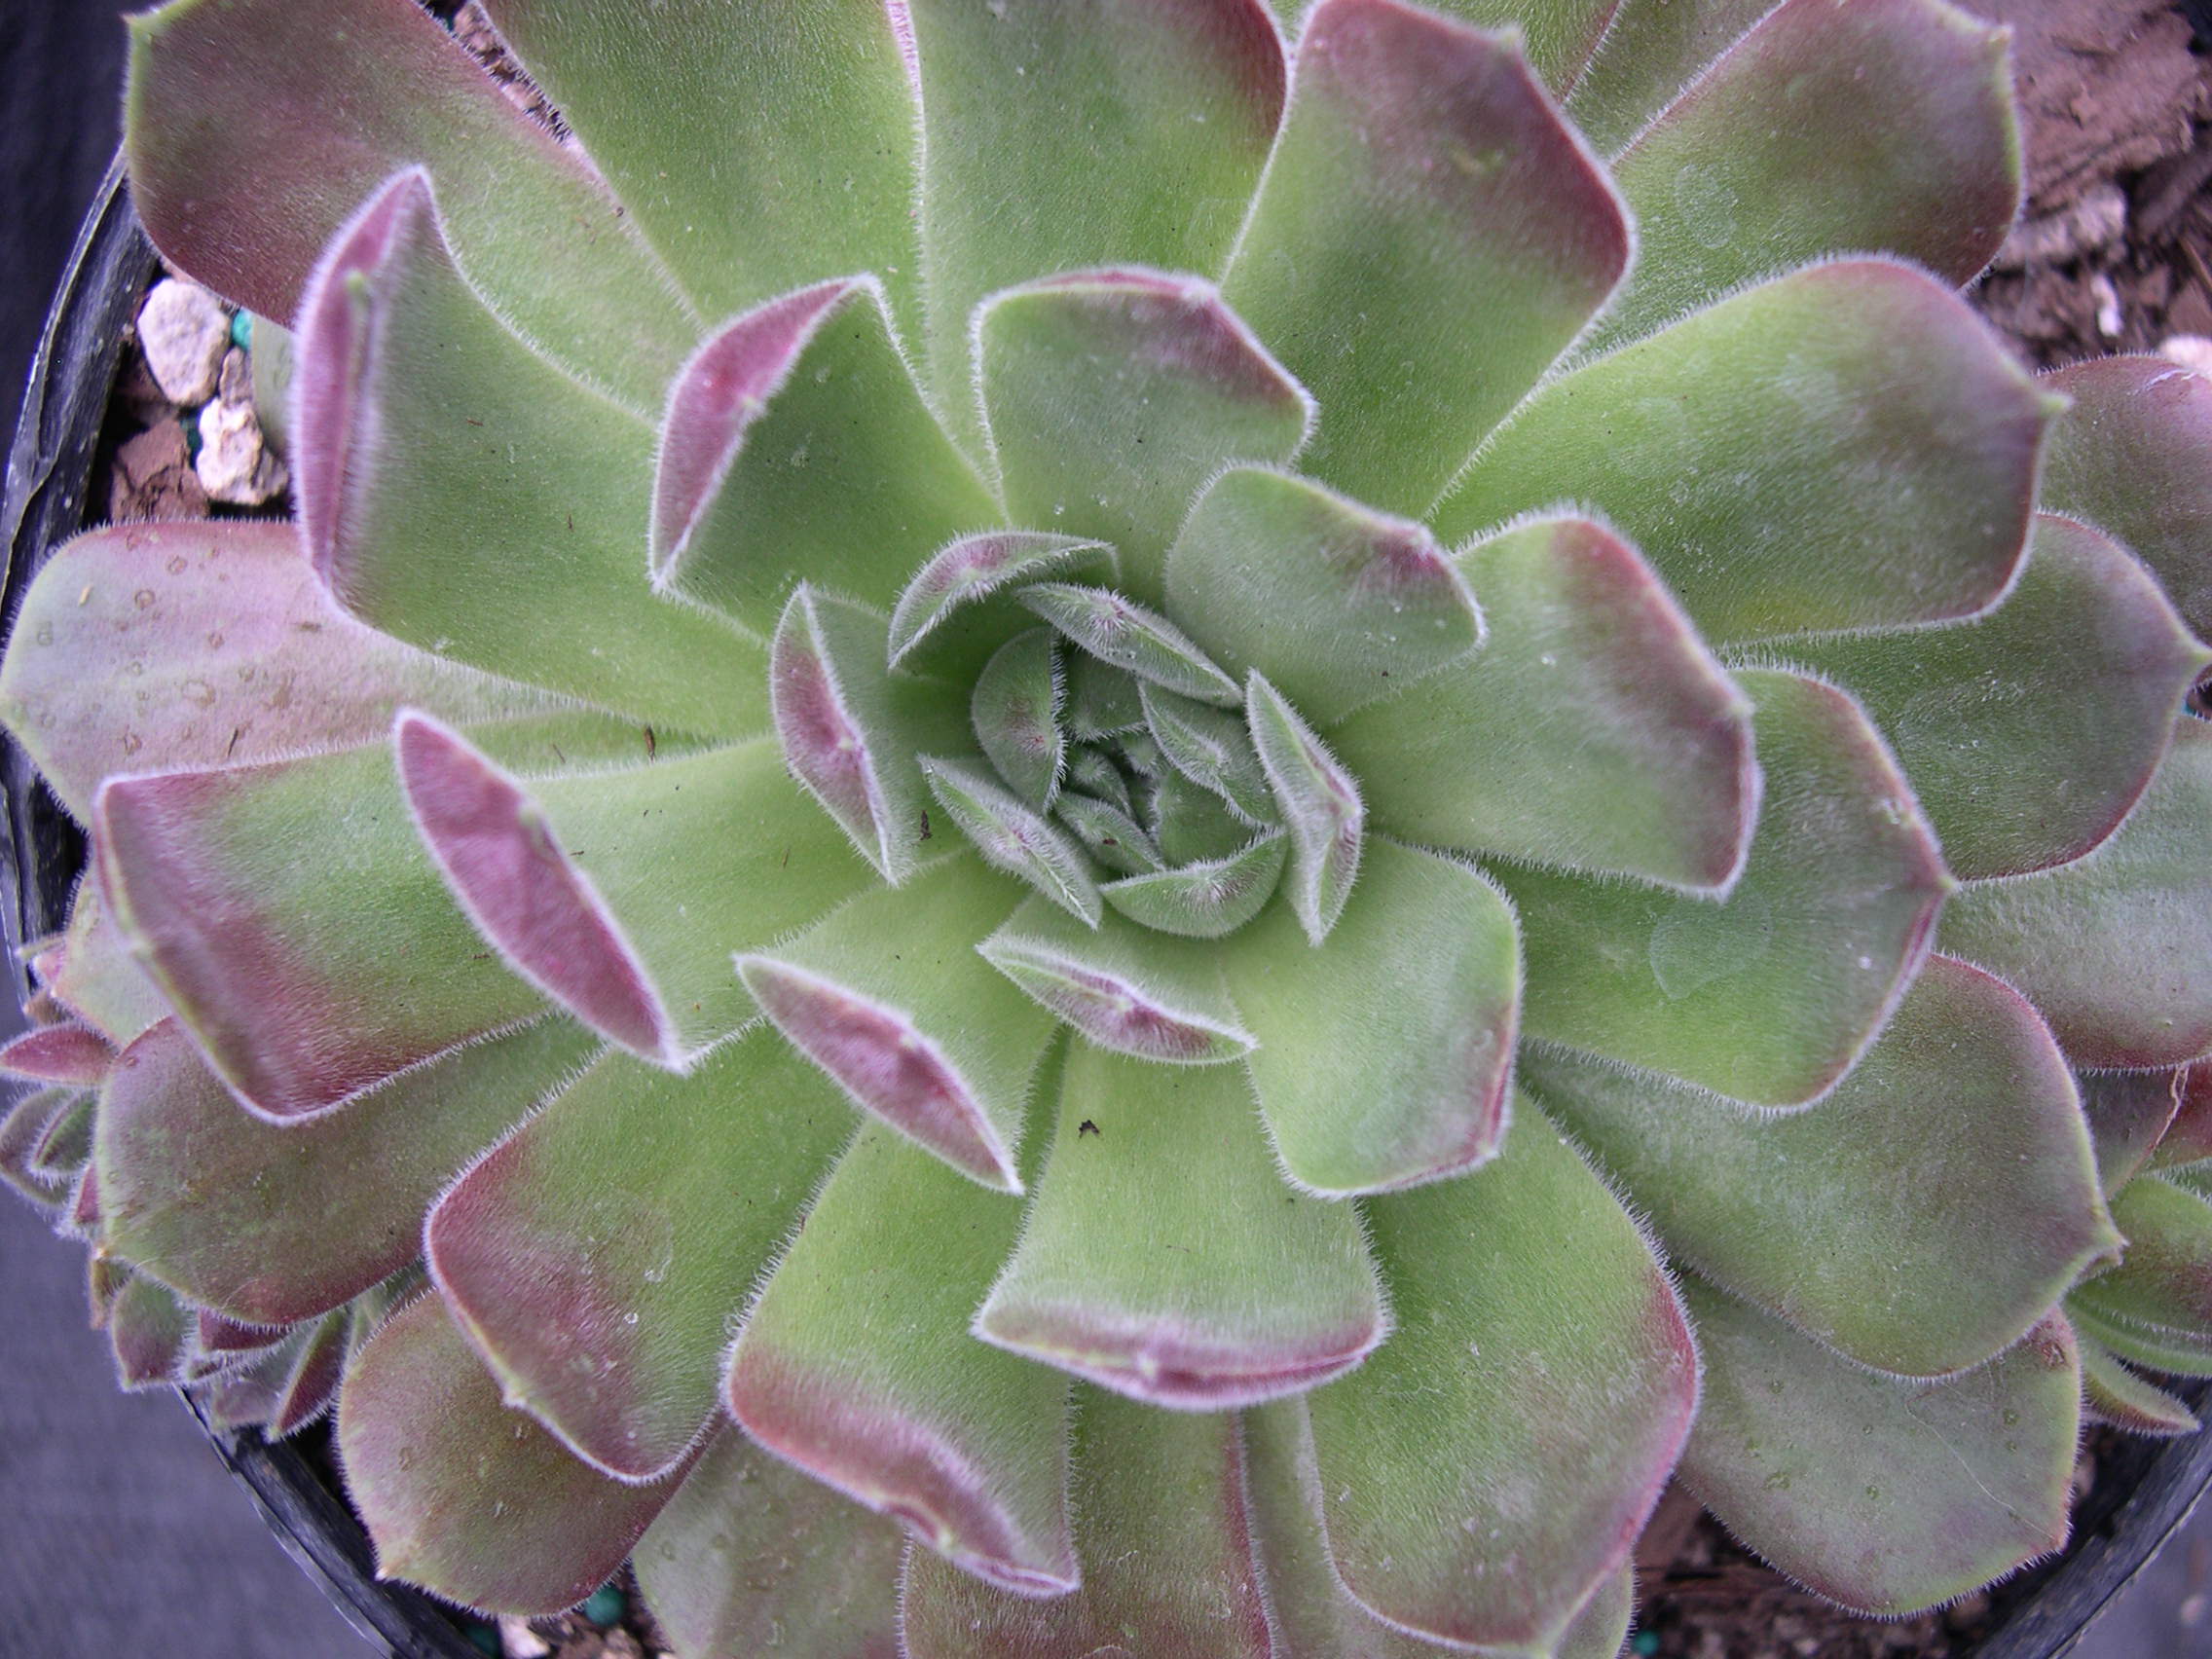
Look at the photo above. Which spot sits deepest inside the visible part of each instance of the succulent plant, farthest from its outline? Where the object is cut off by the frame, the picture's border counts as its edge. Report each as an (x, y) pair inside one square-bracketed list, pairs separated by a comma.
[(1241, 807)]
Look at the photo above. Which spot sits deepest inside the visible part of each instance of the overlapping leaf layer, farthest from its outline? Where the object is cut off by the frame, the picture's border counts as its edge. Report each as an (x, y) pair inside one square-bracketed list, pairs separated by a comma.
[(1237, 806)]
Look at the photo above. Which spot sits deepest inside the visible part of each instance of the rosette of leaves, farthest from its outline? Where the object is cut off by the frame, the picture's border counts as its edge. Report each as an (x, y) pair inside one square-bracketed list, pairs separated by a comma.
[(1137, 827)]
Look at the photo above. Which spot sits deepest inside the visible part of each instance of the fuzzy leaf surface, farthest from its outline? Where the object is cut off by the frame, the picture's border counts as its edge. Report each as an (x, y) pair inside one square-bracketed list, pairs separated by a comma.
[(149, 1330), (2164, 1284), (2128, 458), (470, 1501), (250, 141), (1323, 815), (2129, 1115), (1165, 1532), (1430, 236), (188, 1178), (1012, 837), (1653, 51), (1769, 994), (1844, 447), (1382, 1057), (1132, 637), (1885, 1494), (750, 1552), (2030, 733), (596, 1257), (461, 493), (2110, 1393), (1593, 731), (1015, 709), (1919, 1219), (1205, 898), (955, 611), (1937, 179), (1337, 606), (1162, 1257), (1111, 397), (2115, 949), (1490, 1465), (856, 1364), (1213, 748)]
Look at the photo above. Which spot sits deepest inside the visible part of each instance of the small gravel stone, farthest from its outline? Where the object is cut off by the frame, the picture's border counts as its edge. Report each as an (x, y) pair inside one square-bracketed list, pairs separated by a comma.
[(154, 477), (621, 1644), (184, 332), (2190, 350), (2098, 218), (518, 1640)]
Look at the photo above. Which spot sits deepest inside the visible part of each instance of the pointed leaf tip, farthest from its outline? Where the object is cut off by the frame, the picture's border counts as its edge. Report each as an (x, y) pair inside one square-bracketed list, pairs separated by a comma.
[(1320, 806), (59, 1054), (972, 568), (1014, 838), (1130, 636), (510, 874)]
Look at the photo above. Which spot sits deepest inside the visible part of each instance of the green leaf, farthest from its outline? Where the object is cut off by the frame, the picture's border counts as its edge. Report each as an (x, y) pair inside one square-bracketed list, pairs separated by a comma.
[(1652, 52), (1382, 1057), (955, 611), (1845, 447), (1015, 709), (250, 141), (1319, 803), (97, 977), (856, 1364), (2029, 732), (1885, 1494), (597, 1256), (1490, 1467), (1593, 731), (2115, 949), (750, 1553), (805, 109), (796, 444), (1338, 606), (1559, 36), (1129, 635), (424, 423), (851, 728), (1110, 397), (1108, 833), (1162, 1531), (2129, 1115), (1012, 838), (1212, 748), (2187, 1137), (1770, 994), (890, 998), (186, 1177), (1189, 825), (1205, 900), (2130, 459), (472, 1502), (1164, 112), (1430, 235), (1164, 1258), (149, 1331), (2113, 1394), (1102, 701), (1769, 161), (1125, 987), (1919, 1219), (291, 916), (2181, 1353), (2164, 1287)]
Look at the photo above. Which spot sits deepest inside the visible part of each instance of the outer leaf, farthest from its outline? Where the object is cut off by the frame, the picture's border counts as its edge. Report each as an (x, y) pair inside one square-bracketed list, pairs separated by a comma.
[(422, 423), (250, 141), (1594, 730), (622, 894), (1770, 994), (925, 1035), (1131, 637), (464, 1497), (67, 1054), (96, 977), (954, 613), (1430, 237), (1888, 1495), (1558, 35), (1017, 102), (2029, 733), (231, 651), (22, 1128), (1919, 1219), (596, 1257), (1123, 987), (2129, 1116), (2164, 1285), (2128, 458), (1382, 1057), (309, 1385), (856, 1364), (1737, 448), (1319, 801), (1337, 606), (2110, 1393), (805, 110), (1111, 397), (1012, 838), (1490, 1467), (1015, 709), (750, 1552), (796, 443), (1653, 52), (2115, 949), (2184, 1354), (291, 917), (1205, 900), (1165, 1532), (1937, 179), (1162, 1259), (150, 1331), (188, 1178), (2187, 1137)]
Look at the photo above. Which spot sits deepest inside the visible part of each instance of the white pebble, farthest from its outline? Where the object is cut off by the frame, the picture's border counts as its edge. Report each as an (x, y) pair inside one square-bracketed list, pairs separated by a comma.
[(185, 333), (2110, 322), (234, 463), (2190, 350), (519, 1641)]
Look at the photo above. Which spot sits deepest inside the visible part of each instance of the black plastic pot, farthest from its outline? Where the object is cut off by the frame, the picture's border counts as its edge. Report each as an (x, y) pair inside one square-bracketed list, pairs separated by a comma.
[(2144, 1488)]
